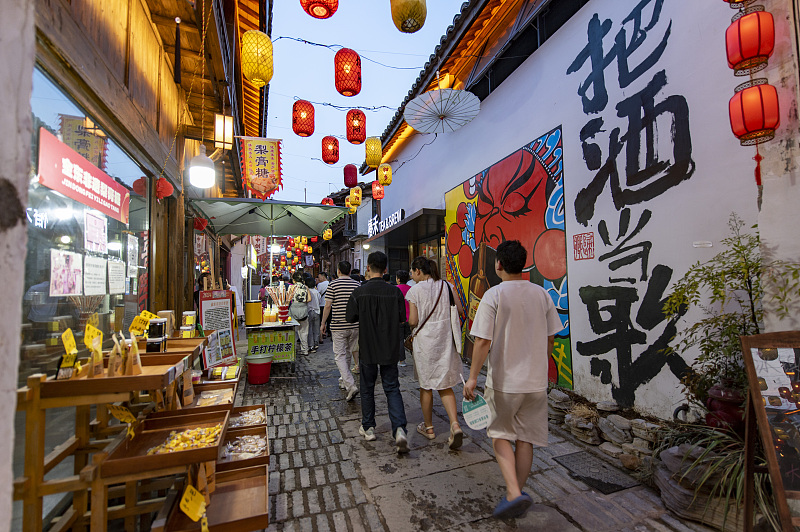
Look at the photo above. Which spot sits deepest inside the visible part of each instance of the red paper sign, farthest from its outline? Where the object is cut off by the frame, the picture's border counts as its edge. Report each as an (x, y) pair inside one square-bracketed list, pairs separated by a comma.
[(68, 172)]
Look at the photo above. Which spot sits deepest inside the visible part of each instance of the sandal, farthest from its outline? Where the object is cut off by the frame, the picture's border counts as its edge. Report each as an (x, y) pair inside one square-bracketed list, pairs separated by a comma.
[(456, 436), (422, 429)]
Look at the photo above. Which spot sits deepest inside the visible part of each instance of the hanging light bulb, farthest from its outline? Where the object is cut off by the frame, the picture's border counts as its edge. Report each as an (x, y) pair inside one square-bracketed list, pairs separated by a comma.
[(202, 173)]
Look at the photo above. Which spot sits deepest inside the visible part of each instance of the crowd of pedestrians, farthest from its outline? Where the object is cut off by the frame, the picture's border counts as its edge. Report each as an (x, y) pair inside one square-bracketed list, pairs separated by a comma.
[(514, 328)]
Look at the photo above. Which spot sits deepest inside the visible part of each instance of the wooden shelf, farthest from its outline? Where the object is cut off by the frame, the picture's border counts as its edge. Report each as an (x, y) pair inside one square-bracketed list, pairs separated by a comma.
[(230, 465)]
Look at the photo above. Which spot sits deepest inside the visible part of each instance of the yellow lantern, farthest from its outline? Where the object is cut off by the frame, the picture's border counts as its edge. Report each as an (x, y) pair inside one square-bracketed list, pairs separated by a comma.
[(288, 254), (385, 174), (373, 151), (309, 250), (327, 234), (409, 15), (350, 207), (355, 196), (304, 241), (257, 57)]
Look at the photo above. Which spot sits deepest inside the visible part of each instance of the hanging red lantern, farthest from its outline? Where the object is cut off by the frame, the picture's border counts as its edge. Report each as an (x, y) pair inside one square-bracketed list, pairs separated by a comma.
[(313, 239), (320, 8), (377, 190), (754, 112), (327, 201), (356, 126), (749, 42), (330, 149), (303, 118), (350, 175), (200, 224), (347, 72), (140, 186), (163, 188)]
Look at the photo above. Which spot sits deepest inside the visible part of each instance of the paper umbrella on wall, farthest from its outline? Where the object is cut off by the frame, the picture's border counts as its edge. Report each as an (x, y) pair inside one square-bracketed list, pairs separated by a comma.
[(441, 110)]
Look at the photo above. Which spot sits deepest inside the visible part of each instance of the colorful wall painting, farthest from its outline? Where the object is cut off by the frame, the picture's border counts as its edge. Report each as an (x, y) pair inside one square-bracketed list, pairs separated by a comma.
[(520, 198)]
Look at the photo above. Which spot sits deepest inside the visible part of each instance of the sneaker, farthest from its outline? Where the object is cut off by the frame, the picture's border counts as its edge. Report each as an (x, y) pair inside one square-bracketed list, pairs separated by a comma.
[(400, 441), (506, 509), (313, 349), (402, 364), (341, 384), (368, 434), (351, 392)]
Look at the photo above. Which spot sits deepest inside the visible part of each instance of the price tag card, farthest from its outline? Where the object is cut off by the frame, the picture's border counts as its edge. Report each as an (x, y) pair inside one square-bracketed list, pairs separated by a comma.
[(139, 325), (125, 416), (91, 333), (148, 315), (67, 364), (68, 338), (193, 504)]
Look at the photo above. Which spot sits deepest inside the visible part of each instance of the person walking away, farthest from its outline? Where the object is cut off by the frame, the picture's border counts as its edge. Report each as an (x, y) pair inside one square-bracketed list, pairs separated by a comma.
[(343, 333), (262, 294), (402, 283), (378, 308), (437, 364), (313, 315), (298, 310), (322, 287), (518, 321)]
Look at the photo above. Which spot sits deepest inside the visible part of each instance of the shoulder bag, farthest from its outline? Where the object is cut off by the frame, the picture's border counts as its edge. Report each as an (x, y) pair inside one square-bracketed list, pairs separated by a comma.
[(409, 341), (455, 322)]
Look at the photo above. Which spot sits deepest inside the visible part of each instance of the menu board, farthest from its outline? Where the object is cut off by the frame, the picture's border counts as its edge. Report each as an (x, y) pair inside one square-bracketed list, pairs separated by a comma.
[(216, 315), (772, 362)]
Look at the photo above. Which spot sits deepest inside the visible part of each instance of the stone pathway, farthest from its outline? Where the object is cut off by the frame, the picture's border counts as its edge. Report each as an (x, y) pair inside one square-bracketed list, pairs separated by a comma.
[(325, 477)]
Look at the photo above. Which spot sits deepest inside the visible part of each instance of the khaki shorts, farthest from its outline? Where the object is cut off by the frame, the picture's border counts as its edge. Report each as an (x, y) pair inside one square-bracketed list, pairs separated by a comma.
[(517, 416)]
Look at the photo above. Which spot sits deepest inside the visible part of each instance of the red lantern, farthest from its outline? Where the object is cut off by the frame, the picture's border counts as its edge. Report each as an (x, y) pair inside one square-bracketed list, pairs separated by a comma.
[(347, 72), (320, 8), (330, 149), (356, 126), (290, 243), (163, 188), (350, 175), (200, 224), (749, 42), (313, 238), (327, 201), (754, 113), (140, 186), (736, 4), (303, 118), (377, 190)]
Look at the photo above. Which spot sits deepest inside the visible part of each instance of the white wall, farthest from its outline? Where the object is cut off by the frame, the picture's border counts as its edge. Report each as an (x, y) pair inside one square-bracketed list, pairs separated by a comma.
[(539, 96)]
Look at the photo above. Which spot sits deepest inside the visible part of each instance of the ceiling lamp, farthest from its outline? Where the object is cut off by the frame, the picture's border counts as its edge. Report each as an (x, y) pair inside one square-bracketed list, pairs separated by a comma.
[(303, 118), (409, 15), (320, 8), (749, 42), (350, 175), (347, 72), (441, 110), (377, 190), (257, 57), (373, 151), (355, 196), (385, 174), (327, 201), (754, 112), (201, 170), (330, 149), (356, 126)]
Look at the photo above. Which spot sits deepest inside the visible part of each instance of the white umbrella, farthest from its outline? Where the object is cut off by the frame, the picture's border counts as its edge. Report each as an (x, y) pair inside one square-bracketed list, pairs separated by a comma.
[(441, 110)]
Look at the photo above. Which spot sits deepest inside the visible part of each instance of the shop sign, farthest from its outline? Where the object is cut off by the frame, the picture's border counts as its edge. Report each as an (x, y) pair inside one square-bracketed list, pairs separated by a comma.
[(68, 172), (376, 227), (279, 344), (261, 165)]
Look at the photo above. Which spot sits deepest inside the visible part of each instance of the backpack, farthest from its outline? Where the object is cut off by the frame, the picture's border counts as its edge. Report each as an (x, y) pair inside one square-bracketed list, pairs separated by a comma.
[(299, 306)]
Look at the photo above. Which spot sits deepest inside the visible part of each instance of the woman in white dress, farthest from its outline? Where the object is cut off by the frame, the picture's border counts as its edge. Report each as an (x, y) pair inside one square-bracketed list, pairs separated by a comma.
[(437, 365)]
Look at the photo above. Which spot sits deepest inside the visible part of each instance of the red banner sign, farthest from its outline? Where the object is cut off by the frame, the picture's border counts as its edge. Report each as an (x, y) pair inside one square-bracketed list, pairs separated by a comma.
[(68, 172)]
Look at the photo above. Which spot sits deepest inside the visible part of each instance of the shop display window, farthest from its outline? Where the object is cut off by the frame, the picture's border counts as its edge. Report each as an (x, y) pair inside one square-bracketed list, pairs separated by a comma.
[(80, 260)]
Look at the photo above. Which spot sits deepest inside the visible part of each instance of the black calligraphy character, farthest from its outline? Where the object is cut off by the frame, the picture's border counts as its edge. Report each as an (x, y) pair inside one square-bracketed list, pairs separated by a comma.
[(260, 149), (643, 253), (657, 176), (621, 335), (621, 50)]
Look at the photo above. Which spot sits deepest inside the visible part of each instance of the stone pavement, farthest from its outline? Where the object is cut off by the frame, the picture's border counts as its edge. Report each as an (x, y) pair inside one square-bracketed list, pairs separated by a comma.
[(325, 477)]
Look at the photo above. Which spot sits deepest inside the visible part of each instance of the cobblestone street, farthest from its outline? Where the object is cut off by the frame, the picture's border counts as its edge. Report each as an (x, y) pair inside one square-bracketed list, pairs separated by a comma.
[(325, 477)]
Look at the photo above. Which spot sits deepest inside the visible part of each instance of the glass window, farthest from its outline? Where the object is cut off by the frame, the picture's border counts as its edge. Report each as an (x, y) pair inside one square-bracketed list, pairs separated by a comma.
[(80, 261)]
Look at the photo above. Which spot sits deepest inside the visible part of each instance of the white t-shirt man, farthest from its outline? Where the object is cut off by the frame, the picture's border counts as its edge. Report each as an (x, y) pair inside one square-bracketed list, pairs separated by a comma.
[(322, 287), (518, 317)]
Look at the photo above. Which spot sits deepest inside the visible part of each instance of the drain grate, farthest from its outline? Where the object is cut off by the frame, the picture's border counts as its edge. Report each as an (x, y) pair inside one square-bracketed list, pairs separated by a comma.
[(595, 473)]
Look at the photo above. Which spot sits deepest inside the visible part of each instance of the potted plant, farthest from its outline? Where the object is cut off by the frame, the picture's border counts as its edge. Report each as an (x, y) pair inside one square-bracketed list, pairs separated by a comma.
[(729, 290)]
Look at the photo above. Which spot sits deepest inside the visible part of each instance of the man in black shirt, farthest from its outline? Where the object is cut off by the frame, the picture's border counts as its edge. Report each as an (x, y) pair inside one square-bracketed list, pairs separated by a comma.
[(380, 311)]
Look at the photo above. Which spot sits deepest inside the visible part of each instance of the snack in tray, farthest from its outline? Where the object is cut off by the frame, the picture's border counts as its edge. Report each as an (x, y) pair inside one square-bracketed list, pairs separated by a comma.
[(215, 397), (188, 439), (245, 447), (248, 419)]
